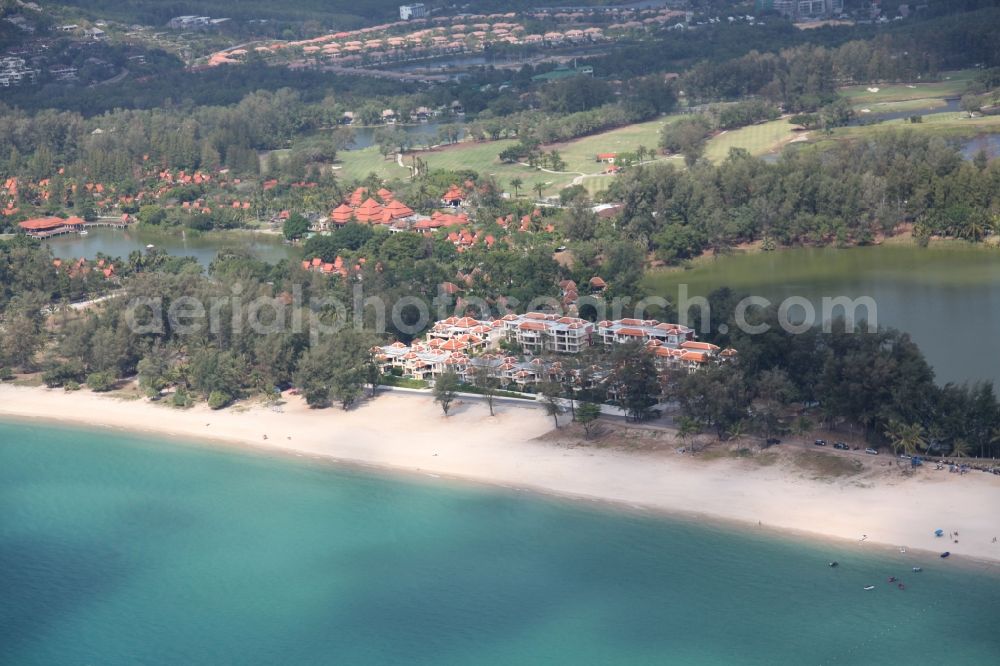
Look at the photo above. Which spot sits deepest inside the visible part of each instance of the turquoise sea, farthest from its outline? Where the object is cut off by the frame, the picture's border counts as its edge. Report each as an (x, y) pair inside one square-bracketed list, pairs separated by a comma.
[(117, 549)]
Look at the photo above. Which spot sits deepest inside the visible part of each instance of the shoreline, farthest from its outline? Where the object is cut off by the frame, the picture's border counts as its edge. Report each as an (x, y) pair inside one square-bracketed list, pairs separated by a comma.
[(507, 452)]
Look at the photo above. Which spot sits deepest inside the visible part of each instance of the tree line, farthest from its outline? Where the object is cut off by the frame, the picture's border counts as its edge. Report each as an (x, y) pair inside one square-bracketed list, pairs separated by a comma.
[(850, 194), (876, 385)]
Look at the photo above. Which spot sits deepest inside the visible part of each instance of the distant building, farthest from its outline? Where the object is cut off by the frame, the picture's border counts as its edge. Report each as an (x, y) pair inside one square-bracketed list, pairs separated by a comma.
[(13, 72), (800, 10), (415, 11), (192, 22), (21, 23), (63, 73)]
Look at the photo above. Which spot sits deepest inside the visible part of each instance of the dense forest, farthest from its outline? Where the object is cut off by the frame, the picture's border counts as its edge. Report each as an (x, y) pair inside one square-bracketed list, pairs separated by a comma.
[(849, 194), (872, 383)]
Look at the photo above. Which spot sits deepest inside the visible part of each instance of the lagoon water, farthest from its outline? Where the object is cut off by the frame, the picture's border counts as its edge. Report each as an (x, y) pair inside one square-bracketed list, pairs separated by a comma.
[(201, 246), (946, 297), (119, 549)]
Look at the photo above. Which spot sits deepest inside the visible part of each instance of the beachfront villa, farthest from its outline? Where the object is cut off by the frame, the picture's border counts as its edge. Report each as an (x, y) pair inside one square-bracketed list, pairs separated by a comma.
[(620, 331), (467, 329), (536, 332), (461, 344)]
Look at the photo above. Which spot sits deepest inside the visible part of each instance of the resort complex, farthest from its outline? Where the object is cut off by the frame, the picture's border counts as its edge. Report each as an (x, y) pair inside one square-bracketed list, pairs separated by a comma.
[(464, 344)]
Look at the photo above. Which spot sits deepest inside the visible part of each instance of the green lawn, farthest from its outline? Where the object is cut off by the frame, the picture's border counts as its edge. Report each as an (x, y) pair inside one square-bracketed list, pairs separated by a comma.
[(580, 154), (482, 157), (952, 84), (949, 124), (596, 184), (352, 164), (357, 164), (758, 139), (923, 105)]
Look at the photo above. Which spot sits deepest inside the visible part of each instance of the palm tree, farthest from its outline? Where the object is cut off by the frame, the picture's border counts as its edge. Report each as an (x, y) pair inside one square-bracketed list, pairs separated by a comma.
[(894, 433), (516, 183), (686, 427), (906, 438), (960, 448), (539, 187), (135, 260)]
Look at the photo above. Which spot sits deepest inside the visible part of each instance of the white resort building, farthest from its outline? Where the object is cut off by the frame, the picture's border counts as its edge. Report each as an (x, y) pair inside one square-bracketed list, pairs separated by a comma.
[(462, 344), (537, 332), (620, 331)]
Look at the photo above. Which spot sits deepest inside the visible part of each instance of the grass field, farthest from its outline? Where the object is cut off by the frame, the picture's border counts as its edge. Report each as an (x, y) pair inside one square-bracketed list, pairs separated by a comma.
[(952, 84), (579, 154), (357, 164), (925, 104), (761, 139), (757, 139), (482, 158), (949, 125)]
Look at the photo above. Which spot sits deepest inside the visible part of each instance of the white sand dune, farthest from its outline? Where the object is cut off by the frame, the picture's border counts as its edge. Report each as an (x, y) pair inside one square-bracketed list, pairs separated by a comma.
[(408, 433)]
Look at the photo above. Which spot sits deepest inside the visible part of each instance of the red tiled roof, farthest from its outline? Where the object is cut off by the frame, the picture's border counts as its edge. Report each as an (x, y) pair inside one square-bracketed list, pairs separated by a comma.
[(357, 196), (342, 214), (703, 346), (42, 223), (370, 211), (397, 209), (453, 194)]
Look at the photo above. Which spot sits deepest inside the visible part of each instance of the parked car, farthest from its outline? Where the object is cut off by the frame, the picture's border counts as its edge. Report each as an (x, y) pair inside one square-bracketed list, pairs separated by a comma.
[(904, 456), (820, 442), (841, 446), (870, 451), (771, 441)]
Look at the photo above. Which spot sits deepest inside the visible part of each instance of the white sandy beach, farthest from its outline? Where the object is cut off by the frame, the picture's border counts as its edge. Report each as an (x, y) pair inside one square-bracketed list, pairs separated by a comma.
[(408, 433)]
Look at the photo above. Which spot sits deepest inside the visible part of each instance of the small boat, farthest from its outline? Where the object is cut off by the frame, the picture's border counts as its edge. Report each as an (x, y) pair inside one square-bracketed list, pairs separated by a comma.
[(833, 564), (917, 569), (892, 579), (945, 554), (901, 586), (150, 246), (869, 587), (84, 232), (902, 550)]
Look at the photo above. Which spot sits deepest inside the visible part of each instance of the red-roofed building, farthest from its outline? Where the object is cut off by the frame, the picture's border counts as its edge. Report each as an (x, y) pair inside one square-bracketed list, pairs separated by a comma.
[(370, 212), (453, 197), (41, 227), (342, 214)]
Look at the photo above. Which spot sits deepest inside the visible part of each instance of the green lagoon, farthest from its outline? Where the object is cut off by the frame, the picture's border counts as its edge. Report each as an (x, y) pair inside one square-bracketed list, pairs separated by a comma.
[(946, 297), (201, 246), (117, 549)]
